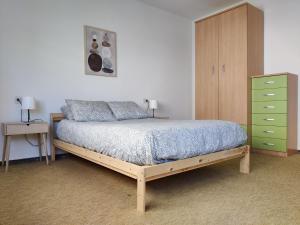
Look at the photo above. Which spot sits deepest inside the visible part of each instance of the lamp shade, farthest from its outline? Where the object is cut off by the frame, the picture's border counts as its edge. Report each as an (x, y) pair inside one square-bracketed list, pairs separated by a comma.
[(28, 102), (153, 104)]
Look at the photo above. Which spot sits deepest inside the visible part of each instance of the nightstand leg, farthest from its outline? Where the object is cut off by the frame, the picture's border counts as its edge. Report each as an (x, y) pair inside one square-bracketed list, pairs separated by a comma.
[(39, 136), (52, 151), (45, 147), (4, 150), (7, 151)]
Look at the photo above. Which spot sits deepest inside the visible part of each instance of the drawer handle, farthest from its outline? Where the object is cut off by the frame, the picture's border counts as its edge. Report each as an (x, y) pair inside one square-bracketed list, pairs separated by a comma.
[(269, 131), (269, 119), (269, 144), (270, 82), (269, 107), (269, 94)]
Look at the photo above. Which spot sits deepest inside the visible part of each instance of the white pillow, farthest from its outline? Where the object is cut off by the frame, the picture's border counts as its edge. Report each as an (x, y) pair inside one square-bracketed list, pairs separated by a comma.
[(90, 110), (127, 110), (66, 110)]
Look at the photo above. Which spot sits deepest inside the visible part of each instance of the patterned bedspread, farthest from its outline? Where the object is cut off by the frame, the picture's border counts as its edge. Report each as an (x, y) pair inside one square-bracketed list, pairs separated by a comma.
[(152, 141)]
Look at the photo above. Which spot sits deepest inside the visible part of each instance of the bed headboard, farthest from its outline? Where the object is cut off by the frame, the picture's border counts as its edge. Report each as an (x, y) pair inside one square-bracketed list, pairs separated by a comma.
[(56, 117)]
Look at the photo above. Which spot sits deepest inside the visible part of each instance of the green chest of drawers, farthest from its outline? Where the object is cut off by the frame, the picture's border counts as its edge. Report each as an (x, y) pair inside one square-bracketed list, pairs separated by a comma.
[(274, 113)]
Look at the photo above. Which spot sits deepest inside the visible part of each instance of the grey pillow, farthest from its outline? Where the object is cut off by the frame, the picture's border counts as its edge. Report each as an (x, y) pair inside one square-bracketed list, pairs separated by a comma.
[(66, 110), (90, 110), (127, 110)]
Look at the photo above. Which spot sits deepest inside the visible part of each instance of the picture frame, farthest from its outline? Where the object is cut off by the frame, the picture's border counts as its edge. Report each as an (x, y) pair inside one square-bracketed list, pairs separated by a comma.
[(100, 52)]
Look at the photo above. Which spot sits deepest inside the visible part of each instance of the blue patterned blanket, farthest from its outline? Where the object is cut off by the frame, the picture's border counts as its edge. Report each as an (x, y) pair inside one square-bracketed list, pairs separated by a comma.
[(152, 141)]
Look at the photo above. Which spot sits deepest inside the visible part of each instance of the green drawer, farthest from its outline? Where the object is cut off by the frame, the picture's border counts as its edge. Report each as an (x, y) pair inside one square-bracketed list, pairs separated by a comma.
[(269, 82), (270, 119), (269, 107), (269, 94), (269, 144), (269, 131)]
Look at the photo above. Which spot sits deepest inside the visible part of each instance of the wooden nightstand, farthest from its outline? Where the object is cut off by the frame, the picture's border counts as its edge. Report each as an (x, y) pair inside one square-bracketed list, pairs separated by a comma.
[(12, 129)]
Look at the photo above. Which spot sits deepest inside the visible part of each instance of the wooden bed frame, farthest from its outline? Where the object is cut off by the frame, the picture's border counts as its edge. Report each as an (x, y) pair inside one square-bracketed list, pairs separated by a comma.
[(147, 173)]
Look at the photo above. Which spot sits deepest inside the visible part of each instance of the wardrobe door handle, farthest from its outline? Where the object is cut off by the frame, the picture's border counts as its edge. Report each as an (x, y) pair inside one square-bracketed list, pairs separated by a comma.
[(213, 70), (269, 119), (223, 68), (269, 94)]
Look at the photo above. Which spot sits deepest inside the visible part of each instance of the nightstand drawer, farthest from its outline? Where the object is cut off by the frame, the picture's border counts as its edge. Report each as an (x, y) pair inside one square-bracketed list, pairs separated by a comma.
[(269, 131), (33, 128), (269, 95), (269, 144), (270, 119), (269, 82), (269, 107)]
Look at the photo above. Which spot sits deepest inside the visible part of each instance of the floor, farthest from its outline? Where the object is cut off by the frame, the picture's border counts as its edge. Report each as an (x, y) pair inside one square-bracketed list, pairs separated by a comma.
[(74, 191)]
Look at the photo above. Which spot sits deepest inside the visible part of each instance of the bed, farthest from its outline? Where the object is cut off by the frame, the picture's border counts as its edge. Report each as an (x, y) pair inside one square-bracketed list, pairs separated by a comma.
[(149, 149)]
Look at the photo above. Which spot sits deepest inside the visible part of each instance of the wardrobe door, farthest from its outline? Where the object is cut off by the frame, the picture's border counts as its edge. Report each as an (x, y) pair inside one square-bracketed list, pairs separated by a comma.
[(206, 80), (233, 65)]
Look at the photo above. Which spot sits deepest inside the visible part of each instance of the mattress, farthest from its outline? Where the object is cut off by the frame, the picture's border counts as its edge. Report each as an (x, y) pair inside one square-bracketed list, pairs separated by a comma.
[(152, 141)]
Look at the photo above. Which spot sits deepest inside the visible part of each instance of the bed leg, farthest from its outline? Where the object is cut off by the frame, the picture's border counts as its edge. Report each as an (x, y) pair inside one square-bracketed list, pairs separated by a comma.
[(245, 162), (141, 193)]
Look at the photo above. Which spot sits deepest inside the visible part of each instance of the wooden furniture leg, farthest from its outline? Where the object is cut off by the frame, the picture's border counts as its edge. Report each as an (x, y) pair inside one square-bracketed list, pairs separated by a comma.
[(141, 193), (7, 152), (39, 137), (245, 162), (52, 137), (44, 140), (4, 150), (53, 152)]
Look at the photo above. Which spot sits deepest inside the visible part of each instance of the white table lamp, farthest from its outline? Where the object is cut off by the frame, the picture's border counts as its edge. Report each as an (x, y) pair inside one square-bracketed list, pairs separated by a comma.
[(28, 103), (153, 104)]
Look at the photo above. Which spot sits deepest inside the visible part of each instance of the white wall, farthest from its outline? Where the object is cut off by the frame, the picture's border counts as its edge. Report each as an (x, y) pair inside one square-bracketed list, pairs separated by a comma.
[(282, 39), (41, 55)]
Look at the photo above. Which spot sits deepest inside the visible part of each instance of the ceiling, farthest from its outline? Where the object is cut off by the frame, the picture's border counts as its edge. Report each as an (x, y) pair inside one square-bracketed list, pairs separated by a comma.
[(192, 9)]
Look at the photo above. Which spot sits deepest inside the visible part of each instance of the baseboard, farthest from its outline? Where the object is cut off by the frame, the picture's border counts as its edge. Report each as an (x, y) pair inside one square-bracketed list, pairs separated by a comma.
[(27, 160)]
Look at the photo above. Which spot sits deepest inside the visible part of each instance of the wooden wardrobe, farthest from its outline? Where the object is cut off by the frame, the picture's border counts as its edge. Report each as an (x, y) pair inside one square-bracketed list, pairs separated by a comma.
[(229, 49)]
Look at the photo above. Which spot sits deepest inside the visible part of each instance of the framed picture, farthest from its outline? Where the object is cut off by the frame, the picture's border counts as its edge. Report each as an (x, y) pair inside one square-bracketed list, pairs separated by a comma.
[(100, 54)]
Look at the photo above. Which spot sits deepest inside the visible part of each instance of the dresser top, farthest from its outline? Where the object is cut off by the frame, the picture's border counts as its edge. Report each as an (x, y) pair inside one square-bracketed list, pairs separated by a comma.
[(273, 74)]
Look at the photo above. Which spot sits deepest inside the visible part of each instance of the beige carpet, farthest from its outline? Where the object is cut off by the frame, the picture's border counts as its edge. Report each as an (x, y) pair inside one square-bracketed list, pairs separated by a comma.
[(75, 191)]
